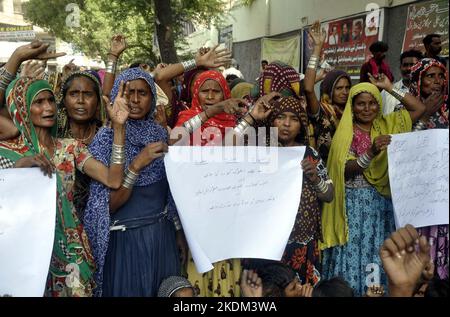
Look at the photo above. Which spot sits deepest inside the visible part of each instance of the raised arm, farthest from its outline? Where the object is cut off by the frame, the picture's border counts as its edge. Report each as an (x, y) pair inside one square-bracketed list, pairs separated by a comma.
[(118, 45), (318, 39), (414, 106), (112, 176)]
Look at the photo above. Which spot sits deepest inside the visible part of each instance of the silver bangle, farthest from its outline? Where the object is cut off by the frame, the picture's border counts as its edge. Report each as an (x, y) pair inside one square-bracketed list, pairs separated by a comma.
[(322, 187), (5, 78), (398, 94), (111, 67), (313, 62), (129, 179), (193, 124), (364, 161), (118, 154), (242, 126), (189, 65), (419, 126), (177, 223)]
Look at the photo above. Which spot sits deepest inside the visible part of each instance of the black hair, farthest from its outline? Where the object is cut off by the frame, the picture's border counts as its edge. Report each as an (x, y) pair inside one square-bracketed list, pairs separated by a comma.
[(68, 83), (334, 287), (411, 53), (437, 288), (378, 47), (275, 277), (264, 61), (135, 65), (231, 77), (429, 38)]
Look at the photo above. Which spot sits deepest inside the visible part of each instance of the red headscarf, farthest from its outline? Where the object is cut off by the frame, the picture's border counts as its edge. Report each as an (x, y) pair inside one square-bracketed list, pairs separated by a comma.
[(220, 121)]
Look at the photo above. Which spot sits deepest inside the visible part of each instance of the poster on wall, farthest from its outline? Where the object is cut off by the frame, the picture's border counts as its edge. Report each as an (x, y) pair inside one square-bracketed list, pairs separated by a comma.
[(16, 33), (286, 50), (425, 18), (347, 43)]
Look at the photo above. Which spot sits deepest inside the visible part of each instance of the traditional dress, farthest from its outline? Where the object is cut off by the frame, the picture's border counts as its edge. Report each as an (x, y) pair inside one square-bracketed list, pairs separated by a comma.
[(82, 181), (72, 265), (360, 218), (134, 259), (437, 235), (223, 280)]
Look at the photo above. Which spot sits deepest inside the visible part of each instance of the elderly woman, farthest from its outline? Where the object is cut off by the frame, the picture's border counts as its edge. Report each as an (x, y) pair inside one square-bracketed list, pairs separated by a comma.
[(80, 116), (133, 234), (326, 112), (31, 104), (429, 82), (359, 219)]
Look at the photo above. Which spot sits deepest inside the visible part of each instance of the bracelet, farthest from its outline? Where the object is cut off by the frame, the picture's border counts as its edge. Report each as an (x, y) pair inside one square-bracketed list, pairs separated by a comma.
[(313, 62), (419, 126), (118, 154), (189, 65), (193, 124), (5, 78), (398, 93), (321, 187), (364, 160), (129, 179), (111, 67), (177, 223), (242, 126)]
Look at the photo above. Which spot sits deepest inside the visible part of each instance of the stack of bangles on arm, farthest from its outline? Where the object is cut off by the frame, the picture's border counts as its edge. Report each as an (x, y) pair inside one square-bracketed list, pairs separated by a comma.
[(111, 65), (243, 125), (364, 160), (419, 126), (313, 62), (193, 123), (129, 179), (189, 65), (321, 187), (118, 154), (397, 93), (5, 78)]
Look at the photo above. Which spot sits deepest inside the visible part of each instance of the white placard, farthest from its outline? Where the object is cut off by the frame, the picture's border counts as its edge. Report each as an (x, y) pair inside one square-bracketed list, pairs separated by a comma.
[(27, 230), (235, 202), (418, 174)]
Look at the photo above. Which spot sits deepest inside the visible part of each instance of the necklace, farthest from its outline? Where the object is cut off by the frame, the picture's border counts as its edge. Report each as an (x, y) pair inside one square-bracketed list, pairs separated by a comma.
[(85, 139), (361, 128)]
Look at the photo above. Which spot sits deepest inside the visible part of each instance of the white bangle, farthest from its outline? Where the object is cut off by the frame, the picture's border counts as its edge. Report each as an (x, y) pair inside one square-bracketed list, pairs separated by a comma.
[(189, 65)]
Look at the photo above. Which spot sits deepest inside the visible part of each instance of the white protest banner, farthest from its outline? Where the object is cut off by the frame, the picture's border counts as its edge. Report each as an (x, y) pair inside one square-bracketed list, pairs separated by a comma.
[(27, 229), (418, 174), (235, 202)]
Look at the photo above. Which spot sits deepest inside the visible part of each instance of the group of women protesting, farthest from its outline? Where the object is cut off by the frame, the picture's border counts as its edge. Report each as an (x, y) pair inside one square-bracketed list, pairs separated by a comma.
[(117, 223)]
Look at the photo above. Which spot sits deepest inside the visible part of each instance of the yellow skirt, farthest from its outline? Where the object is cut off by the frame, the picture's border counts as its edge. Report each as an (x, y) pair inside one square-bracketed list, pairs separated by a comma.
[(222, 281)]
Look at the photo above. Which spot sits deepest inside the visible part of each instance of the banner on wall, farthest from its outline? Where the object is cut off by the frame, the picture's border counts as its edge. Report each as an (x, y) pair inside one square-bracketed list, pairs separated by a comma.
[(16, 33), (286, 50), (425, 18), (347, 43)]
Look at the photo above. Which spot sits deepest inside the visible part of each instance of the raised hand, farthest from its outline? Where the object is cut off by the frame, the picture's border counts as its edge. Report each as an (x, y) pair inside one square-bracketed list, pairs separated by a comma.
[(151, 152), (119, 111), (213, 58), (38, 160), (382, 81), (234, 106), (262, 108), (317, 35), (34, 69), (401, 262), (35, 50), (118, 44), (251, 284), (380, 143)]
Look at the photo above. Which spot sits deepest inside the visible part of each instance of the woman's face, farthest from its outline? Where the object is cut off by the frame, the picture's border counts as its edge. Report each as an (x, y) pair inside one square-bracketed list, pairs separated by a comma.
[(341, 91), (432, 81), (210, 93), (365, 108), (140, 99), (288, 125), (81, 100), (43, 110)]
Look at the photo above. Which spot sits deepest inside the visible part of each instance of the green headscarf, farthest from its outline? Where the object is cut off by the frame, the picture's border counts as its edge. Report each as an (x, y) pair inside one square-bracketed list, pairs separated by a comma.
[(70, 245), (334, 216)]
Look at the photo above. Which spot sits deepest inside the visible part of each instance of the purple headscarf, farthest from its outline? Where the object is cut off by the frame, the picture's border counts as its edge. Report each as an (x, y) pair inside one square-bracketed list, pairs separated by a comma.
[(139, 133)]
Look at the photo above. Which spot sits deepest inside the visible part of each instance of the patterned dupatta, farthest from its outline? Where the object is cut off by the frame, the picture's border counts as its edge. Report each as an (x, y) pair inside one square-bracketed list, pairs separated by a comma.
[(71, 250)]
